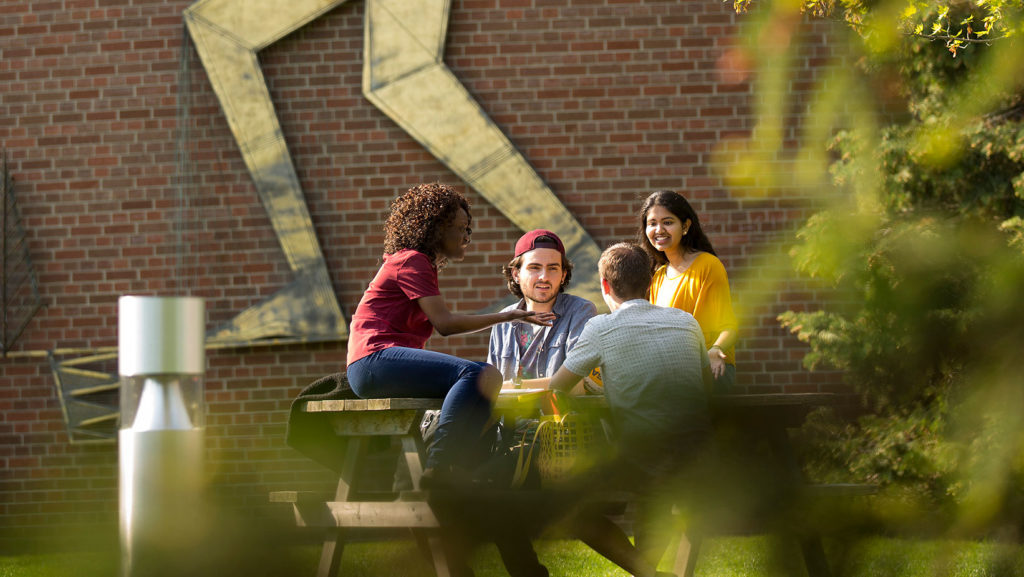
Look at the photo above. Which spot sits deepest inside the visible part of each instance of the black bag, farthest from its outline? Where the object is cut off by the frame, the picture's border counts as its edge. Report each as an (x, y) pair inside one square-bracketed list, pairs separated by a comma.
[(511, 464)]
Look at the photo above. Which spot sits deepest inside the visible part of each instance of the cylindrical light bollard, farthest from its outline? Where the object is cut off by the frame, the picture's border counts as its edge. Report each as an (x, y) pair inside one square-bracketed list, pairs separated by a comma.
[(161, 361)]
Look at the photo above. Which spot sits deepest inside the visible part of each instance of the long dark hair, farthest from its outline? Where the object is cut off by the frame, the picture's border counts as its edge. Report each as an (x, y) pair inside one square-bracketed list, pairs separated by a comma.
[(694, 239)]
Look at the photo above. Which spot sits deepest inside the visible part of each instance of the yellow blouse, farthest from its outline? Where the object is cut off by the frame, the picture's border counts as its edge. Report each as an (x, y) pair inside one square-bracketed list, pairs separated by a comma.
[(703, 291)]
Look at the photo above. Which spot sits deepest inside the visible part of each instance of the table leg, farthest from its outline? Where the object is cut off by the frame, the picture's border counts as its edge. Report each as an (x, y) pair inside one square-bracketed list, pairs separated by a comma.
[(814, 557), (355, 448), (686, 554), (431, 545), (412, 448), (334, 542), (330, 555), (778, 440), (810, 543)]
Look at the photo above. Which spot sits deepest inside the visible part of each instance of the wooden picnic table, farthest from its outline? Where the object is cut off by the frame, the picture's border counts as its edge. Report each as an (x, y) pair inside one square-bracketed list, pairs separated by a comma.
[(760, 416), (355, 422), (769, 418)]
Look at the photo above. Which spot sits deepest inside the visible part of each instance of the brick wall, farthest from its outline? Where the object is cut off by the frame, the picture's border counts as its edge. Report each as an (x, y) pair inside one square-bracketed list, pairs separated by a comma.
[(609, 100)]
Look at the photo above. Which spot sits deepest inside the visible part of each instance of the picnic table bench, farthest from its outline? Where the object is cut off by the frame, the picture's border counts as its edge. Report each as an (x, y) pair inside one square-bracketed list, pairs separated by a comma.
[(355, 422)]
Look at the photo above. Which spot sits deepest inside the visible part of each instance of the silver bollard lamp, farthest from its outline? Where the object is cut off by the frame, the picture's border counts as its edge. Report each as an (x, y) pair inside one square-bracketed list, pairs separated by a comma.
[(161, 362)]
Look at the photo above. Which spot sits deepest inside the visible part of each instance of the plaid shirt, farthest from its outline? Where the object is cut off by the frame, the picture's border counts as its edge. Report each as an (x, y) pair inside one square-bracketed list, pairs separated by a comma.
[(652, 361)]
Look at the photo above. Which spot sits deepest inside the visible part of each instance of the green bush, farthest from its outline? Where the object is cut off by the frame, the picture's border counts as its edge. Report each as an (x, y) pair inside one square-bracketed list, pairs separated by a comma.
[(924, 252)]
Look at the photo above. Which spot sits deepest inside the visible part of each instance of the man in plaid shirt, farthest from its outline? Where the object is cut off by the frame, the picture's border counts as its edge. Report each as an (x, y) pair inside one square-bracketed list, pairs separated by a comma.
[(656, 377)]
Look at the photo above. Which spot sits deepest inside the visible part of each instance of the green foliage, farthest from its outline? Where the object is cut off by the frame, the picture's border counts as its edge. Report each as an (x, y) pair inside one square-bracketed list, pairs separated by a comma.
[(925, 251), (980, 181), (1014, 227), (914, 291), (942, 152), (905, 453), (957, 24), (926, 324)]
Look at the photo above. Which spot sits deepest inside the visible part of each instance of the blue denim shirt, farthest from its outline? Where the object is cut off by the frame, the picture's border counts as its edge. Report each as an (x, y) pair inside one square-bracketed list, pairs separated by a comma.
[(504, 353)]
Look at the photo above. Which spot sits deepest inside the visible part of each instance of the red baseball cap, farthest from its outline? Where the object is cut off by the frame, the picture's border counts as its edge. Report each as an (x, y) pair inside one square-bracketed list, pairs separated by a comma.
[(539, 238)]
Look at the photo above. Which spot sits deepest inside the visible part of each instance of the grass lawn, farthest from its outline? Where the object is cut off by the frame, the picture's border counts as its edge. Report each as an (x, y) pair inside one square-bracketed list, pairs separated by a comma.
[(721, 557)]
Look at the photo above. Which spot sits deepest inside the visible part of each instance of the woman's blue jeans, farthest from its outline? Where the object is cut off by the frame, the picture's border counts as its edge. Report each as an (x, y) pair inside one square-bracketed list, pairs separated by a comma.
[(417, 373)]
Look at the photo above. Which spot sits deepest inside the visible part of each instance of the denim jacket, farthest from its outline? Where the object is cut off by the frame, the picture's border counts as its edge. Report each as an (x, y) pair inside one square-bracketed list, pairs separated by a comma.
[(503, 352)]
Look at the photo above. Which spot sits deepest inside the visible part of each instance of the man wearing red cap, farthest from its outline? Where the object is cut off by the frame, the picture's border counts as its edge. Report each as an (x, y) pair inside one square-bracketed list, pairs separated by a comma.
[(538, 274)]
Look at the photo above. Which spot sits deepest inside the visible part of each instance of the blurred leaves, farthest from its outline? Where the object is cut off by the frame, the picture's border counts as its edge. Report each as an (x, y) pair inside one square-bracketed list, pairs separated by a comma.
[(915, 290), (957, 24), (927, 329), (921, 146)]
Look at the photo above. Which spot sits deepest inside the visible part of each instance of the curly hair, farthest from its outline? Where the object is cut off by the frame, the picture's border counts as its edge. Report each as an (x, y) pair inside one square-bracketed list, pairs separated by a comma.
[(513, 285), (419, 217), (674, 202)]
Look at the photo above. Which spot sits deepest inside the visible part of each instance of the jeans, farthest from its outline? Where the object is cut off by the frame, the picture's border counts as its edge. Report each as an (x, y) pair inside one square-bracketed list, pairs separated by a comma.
[(417, 373)]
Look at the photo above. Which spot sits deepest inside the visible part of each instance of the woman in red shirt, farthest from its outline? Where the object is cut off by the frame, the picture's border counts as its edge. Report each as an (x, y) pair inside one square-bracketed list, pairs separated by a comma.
[(427, 227)]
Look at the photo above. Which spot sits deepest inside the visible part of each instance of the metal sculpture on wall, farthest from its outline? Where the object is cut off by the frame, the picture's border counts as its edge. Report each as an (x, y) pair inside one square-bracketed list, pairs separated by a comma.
[(88, 388), (404, 75), (19, 288), (227, 38)]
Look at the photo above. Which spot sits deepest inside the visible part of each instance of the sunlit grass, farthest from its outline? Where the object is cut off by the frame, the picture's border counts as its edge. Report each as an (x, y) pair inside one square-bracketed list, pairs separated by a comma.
[(917, 558), (58, 565), (720, 557)]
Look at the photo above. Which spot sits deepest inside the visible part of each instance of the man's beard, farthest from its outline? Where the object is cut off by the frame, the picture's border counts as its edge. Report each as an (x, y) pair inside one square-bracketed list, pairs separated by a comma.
[(554, 295)]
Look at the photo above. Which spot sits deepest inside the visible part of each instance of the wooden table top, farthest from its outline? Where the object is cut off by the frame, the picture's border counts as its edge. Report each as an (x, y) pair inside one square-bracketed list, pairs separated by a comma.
[(515, 398)]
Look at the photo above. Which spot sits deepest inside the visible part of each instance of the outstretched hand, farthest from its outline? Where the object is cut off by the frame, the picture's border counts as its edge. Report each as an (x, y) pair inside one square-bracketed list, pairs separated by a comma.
[(533, 317)]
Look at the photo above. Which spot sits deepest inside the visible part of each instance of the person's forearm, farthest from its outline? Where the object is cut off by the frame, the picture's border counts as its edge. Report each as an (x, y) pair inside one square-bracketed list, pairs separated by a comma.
[(445, 322), (541, 383), (564, 380), (456, 324), (726, 339)]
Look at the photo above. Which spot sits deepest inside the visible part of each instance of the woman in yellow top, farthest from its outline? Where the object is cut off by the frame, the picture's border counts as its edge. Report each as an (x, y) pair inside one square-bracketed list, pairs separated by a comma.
[(689, 276)]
